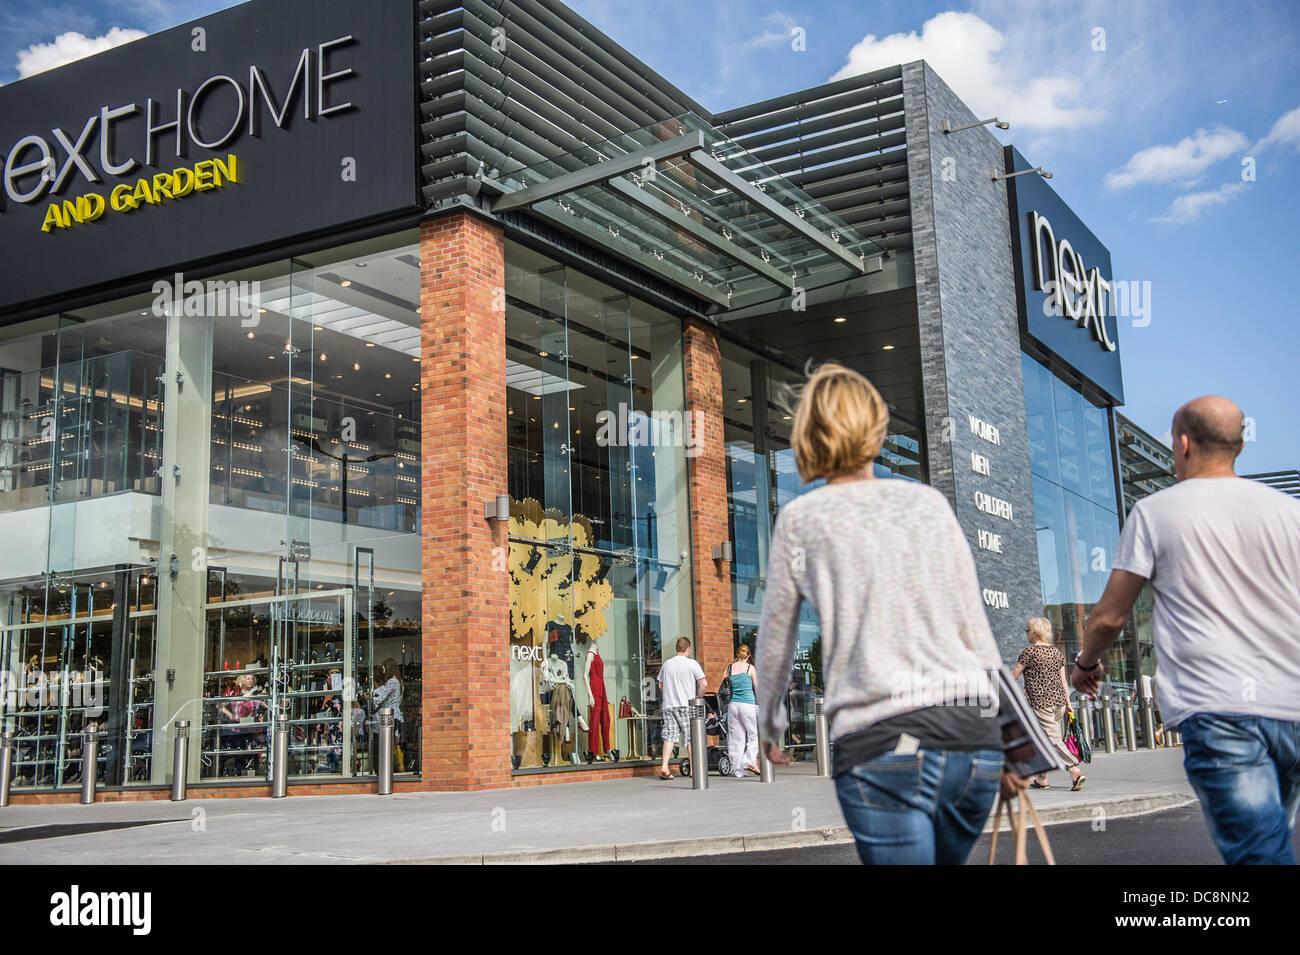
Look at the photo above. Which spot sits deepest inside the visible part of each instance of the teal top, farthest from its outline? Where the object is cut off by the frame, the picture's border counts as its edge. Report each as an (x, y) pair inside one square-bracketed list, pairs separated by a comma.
[(742, 688)]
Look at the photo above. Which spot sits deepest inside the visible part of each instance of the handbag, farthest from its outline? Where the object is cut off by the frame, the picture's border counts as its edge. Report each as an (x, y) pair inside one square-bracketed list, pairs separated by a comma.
[(624, 709), (1075, 741), (724, 689)]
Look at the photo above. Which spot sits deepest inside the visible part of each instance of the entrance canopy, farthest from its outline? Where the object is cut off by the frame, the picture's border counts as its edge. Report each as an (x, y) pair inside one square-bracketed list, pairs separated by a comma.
[(684, 202)]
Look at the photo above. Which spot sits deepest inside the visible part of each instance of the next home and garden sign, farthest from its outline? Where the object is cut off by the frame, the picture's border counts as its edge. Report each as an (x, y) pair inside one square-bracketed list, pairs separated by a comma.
[(1064, 288), (269, 121)]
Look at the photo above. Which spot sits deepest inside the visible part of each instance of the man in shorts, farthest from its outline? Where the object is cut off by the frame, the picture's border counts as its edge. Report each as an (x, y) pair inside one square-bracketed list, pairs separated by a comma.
[(680, 680)]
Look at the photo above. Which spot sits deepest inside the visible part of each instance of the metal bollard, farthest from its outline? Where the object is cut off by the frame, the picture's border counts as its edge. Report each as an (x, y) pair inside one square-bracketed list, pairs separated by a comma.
[(1148, 724), (180, 759), (1108, 723), (1085, 720), (823, 744), (766, 770), (1130, 737), (384, 754), (699, 747), (89, 766), (280, 757), (6, 766)]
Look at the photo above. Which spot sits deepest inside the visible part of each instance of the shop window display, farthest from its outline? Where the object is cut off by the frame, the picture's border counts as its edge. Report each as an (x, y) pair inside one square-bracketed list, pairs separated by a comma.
[(599, 525), (287, 495)]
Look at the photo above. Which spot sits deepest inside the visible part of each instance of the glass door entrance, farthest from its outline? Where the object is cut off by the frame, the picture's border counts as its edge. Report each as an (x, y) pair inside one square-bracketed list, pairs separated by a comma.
[(291, 654)]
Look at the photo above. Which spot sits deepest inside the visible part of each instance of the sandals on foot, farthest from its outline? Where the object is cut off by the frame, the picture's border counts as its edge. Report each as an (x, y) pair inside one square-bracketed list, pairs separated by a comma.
[(1078, 783), (1038, 784), (662, 775)]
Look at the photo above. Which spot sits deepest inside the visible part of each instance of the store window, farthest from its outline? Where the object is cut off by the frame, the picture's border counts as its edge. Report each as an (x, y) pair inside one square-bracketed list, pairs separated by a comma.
[(599, 532), (1075, 509), (252, 549)]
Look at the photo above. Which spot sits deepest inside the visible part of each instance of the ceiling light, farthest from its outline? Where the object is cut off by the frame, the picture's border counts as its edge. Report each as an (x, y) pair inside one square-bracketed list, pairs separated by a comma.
[(261, 311), (370, 344), (741, 401), (840, 320), (319, 328), (355, 366), (346, 282), (537, 397), (322, 356), (887, 348), (361, 265), (635, 357), (542, 354), (388, 374), (415, 359), (250, 334), (338, 377)]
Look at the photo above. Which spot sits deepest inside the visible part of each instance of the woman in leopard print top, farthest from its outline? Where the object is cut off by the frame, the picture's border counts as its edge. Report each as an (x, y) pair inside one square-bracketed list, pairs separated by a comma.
[(1043, 666)]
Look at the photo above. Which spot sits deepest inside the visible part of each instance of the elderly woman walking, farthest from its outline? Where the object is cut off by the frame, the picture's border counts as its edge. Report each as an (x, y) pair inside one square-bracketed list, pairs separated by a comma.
[(1043, 665)]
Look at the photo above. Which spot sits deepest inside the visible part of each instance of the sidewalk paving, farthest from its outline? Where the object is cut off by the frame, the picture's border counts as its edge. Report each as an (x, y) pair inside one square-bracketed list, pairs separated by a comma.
[(620, 819)]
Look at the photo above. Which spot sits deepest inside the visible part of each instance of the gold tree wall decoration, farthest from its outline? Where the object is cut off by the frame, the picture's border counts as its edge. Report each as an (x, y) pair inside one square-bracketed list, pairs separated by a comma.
[(560, 582)]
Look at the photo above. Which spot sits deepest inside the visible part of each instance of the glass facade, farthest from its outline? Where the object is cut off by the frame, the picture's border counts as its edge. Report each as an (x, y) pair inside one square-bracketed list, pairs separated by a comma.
[(758, 402), (250, 549), (600, 580), (1077, 518)]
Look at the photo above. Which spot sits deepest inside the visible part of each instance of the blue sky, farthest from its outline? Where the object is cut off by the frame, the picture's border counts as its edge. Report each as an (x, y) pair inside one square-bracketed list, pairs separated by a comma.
[(1144, 112)]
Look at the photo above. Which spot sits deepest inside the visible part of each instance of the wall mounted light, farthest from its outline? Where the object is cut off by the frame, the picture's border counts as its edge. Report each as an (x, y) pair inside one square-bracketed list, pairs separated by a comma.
[(497, 509), (723, 551), (983, 122), (995, 175)]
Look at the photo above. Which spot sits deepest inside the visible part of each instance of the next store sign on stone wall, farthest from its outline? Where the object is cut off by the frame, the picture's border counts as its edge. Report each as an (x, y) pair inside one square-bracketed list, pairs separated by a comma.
[(269, 121), (1064, 288)]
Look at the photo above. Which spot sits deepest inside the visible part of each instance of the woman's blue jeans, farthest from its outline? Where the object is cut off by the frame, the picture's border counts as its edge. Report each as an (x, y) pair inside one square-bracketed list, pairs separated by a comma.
[(926, 808)]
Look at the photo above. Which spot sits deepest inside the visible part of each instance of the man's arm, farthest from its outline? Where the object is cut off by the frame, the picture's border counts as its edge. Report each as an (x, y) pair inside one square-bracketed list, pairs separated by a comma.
[(700, 684), (1104, 625)]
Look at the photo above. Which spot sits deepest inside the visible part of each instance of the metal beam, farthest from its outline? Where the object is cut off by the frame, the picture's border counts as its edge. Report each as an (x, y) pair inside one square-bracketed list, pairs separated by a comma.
[(707, 164), (600, 172), (713, 240), (624, 250)]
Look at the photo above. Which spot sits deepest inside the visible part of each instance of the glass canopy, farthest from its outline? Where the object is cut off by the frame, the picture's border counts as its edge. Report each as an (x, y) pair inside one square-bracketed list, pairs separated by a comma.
[(683, 201)]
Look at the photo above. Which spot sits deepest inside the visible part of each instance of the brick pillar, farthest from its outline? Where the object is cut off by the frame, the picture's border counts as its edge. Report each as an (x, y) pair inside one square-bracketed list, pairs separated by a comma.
[(465, 603), (707, 480)]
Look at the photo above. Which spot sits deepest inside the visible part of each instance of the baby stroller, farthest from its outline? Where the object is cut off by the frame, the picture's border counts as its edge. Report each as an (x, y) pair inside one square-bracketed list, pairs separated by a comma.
[(714, 726)]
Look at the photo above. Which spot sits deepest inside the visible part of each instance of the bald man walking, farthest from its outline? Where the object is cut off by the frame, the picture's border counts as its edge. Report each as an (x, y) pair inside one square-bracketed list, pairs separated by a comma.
[(1223, 558)]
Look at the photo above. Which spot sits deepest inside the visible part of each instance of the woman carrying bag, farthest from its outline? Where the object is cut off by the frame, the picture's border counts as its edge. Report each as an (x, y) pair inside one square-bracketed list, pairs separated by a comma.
[(1044, 668), (890, 574), (742, 714)]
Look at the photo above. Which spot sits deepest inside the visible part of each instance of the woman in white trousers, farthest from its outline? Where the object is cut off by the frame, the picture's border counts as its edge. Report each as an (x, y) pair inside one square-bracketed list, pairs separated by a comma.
[(742, 716)]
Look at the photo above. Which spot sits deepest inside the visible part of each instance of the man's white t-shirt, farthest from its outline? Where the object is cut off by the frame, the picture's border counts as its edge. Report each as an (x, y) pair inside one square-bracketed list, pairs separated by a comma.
[(678, 676), (1223, 557)]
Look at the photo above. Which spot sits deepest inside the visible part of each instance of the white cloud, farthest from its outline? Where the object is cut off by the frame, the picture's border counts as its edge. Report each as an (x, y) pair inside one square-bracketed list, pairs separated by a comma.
[(1183, 162), (1187, 208), (70, 46), (777, 33), (1285, 132), (966, 52)]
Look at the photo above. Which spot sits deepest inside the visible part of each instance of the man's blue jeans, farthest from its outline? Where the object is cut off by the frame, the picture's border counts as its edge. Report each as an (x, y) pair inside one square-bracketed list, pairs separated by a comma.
[(1246, 771), (926, 808)]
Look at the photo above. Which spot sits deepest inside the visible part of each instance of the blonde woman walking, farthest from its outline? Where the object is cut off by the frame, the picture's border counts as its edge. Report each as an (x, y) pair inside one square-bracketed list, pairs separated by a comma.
[(1043, 665), (890, 574)]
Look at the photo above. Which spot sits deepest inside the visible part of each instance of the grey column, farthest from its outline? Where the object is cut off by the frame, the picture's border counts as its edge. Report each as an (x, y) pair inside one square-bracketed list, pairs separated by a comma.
[(187, 424), (970, 345)]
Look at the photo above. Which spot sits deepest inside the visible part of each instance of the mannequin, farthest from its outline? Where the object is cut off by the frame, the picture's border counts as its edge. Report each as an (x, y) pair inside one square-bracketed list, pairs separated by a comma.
[(556, 675), (559, 639), (594, 674)]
